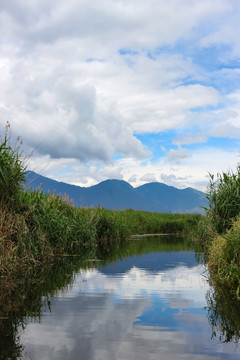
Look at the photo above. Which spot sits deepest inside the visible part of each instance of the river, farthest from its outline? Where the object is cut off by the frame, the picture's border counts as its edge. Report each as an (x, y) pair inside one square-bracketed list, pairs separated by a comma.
[(147, 300)]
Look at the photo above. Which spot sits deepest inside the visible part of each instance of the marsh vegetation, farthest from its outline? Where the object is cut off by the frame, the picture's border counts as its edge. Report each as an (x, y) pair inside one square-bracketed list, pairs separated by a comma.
[(147, 283), (40, 232), (219, 231), (37, 227)]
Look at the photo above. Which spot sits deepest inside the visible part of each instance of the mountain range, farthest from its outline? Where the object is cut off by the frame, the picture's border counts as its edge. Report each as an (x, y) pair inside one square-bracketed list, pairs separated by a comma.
[(119, 194)]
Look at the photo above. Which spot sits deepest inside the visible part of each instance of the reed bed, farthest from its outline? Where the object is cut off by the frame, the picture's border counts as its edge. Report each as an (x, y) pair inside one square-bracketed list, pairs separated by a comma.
[(219, 231), (224, 200), (143, 222), (36, 227), (45, 226)]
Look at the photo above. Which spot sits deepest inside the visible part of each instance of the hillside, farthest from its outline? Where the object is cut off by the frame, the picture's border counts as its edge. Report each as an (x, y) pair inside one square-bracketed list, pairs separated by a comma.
[(119, 194)]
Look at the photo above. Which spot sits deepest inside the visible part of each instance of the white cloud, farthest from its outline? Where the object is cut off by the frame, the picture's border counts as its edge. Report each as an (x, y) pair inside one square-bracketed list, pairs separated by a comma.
[(135, 23), (176, 155), (163, 110), (71, 108), (191, 172), (132, 179), (173, 180), (148, 178), (107, 310), (226, 30), (69, 91), (190, 139)]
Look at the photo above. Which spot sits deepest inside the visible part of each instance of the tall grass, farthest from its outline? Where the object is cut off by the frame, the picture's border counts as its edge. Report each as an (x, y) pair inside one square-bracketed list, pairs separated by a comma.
[(45, 226), (219, 231), (224, 199), (34, 226), (143, 222), (12, 170), (224, 258)]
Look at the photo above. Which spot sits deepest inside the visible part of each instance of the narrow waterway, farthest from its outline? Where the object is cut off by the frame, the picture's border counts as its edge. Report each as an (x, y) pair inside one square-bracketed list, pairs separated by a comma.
[(149, 300)]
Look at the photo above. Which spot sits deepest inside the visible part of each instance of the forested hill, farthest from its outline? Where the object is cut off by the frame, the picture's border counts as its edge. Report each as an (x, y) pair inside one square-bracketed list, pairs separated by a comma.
[(118, 194)]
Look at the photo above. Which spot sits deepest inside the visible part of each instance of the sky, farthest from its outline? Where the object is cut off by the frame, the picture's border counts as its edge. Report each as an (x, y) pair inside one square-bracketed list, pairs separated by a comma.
[(135, 90)]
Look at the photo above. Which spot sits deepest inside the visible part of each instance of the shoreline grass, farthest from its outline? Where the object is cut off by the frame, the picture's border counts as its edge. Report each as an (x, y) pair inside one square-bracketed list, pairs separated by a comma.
[(36, 227), (219, 231), (143, 222), (45, 226)]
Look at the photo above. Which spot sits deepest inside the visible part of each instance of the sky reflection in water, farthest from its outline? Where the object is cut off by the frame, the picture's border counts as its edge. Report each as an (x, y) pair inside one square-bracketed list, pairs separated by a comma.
[(149, 306)]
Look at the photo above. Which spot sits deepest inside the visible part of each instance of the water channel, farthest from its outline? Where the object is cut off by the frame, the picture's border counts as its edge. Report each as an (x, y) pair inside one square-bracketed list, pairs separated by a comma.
[(149, 299)]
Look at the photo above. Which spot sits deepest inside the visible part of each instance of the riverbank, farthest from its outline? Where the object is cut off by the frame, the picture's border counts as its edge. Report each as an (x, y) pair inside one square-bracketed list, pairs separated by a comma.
[(44, 226), (35, 227), (131, 281), (219, 231)]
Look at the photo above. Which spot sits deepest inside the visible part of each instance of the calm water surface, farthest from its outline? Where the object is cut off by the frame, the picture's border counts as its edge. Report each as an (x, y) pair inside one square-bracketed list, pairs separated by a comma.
[(151, 304)]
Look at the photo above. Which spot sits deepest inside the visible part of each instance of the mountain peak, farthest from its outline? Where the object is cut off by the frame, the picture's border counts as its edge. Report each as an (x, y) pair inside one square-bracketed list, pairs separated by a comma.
[(119, 194), (115, 182)]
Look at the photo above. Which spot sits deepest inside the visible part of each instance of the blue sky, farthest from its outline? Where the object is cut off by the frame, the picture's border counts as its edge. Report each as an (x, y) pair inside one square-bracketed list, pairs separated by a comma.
[(133, 90)]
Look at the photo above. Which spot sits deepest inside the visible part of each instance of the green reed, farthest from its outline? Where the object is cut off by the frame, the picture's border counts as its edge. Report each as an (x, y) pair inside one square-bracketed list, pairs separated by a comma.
[(224, 199), (219, 230), (12, 169), (224, 258), (34, 227), (143, 222)]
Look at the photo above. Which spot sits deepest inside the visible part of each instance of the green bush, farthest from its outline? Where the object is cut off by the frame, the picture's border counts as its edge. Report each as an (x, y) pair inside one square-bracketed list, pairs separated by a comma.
[(109, 226), (219, 230), (34, 226), (224, 258), (224, 200), (12, 170), (143, 222)]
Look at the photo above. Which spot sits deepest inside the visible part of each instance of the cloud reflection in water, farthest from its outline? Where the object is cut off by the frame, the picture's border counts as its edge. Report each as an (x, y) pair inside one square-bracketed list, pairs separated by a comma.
[(134, 313)]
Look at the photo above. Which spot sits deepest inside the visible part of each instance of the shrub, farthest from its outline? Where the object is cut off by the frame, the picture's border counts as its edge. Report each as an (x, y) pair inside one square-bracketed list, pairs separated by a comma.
[(224, 200), (219, 230), (12, 170), (109, 226), (224, 257)]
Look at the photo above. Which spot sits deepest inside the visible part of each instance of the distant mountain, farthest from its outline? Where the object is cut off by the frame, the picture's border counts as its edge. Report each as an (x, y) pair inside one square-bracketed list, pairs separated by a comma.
[(176, 200), (118, 194)]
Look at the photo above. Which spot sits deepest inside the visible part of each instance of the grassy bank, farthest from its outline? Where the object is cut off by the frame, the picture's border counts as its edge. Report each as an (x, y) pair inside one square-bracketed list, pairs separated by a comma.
[(36, 227), (45, 226), (29, 296), (142, 222), (219, 231)]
